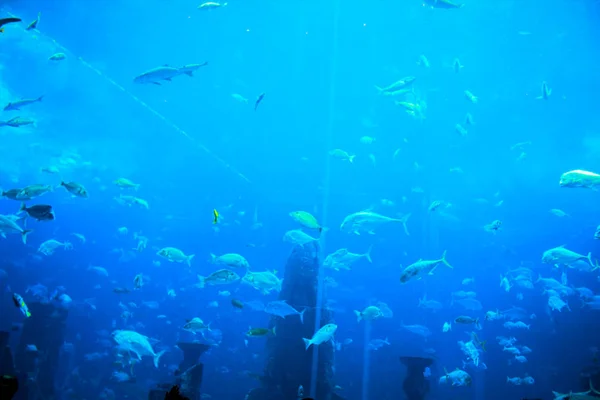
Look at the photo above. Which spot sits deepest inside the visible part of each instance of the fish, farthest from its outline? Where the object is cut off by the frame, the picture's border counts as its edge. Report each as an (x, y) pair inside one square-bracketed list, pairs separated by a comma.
[(33, 24), (368, 314), (20, 304), (367, 221), (137, 344), (298, 237), (8, 225), (445, 4), (220, 277), (231, 260), (258, 332), (211, 5), (75, 188), (323, 335), (282, 309), (125, 183), (580, 179), (417, 329), (416, 268), (175, 255), (546, 92), (17, 105), (464, 319), (563, 256), (189, 69), (196, 325), (31, 191), (155, 75), (259, 99), (215, 216), (306, 219), (6, 21), (265, 281), (17, 122), (41, 212), (57, 57), (398, 85)]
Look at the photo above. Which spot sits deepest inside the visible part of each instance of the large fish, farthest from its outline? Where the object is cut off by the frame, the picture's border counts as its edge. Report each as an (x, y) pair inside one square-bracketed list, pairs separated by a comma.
[(8, 225), (137, 344), (563, 256), (367, 221), (155, 75)]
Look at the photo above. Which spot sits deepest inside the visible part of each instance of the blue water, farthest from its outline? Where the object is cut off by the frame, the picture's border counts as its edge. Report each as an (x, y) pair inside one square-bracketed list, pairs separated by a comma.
[(193, 148)]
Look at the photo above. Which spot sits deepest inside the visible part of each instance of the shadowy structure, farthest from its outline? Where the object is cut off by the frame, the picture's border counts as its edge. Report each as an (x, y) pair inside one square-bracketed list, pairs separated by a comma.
[(188, 376), (415, 385), (45, 330), (289, 364)]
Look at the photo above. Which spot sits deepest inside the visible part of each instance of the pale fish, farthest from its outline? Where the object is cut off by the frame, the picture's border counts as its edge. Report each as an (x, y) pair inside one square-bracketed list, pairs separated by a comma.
[(323, 335), (367, 221)]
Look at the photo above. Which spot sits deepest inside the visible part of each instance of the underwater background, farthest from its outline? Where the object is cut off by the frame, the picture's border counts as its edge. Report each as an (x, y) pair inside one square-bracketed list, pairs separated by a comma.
[(296, 110)]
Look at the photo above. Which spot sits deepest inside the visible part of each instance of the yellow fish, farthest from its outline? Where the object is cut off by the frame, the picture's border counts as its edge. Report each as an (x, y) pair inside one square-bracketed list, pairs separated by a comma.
[(216, 216)]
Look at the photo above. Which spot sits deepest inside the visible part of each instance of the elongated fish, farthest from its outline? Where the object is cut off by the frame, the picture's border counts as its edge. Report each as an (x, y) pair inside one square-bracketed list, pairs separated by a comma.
[(16, 105)]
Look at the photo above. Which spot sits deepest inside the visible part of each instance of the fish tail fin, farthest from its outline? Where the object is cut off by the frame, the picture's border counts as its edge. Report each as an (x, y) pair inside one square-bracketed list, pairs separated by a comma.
[(596, 267), (592, 388), (358, 315), (404, 220), (539, 278), (477, 324), (157, 357), (302, 315), (368, 254), (201, 281), (589, 258), (379, 90), (23, 207), (212, 257), (307, 343), (483, 345), (189, 260), (274, 331), (351, 158), (24, 235), (446, 263)]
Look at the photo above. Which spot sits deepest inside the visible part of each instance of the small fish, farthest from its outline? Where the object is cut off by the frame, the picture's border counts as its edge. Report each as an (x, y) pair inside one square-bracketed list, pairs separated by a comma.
[(35, 22), (57, 57), (237, 303), (259, 332), (215, 216), (20, 304), (75, 188), (546, 92), (189, 69), (259, 99), (41, 212), (457, 65), (471, 97), (211, 5)]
